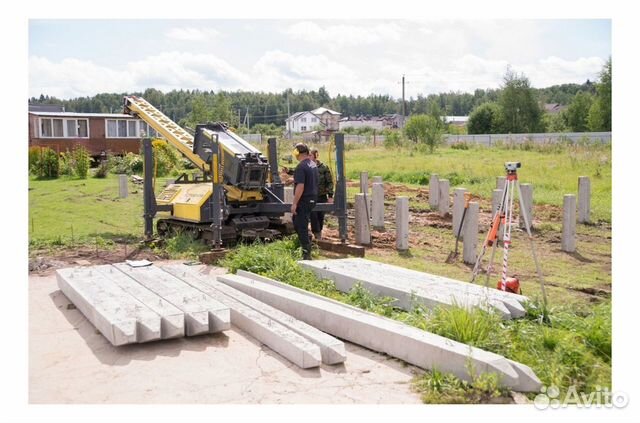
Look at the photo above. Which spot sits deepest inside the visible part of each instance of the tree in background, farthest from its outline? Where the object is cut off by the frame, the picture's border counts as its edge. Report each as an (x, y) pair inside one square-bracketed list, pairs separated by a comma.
[(520, 109), (425, 130), (600, 112), (211, 108), (555, 122), (577, 115), (485, 119)]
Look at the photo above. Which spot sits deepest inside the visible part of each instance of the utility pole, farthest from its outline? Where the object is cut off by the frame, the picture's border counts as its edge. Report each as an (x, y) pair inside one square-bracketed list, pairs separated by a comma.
[(404, 112), (288, 116), (247, 117)]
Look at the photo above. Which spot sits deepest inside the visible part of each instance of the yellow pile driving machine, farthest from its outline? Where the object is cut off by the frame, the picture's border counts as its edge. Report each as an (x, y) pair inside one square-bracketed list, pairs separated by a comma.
[(238, 193)]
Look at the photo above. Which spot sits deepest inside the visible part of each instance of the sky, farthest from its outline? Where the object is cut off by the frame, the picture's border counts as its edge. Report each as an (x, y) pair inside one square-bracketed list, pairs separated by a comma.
[(80, 57)]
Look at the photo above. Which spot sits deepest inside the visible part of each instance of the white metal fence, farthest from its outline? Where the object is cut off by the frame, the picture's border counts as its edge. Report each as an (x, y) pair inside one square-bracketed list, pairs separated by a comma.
[(481, 139), (253, 138), (549, 138)]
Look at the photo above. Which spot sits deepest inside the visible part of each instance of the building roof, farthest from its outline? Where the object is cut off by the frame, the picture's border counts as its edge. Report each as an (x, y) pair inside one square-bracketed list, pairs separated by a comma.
[(367, 118), (554, 107), (35, 107), (87, 115), (322, 110), (297, 115), (456, 119)]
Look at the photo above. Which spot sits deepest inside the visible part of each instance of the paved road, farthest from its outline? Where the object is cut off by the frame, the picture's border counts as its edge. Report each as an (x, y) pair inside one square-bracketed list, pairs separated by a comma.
[(69, 362)]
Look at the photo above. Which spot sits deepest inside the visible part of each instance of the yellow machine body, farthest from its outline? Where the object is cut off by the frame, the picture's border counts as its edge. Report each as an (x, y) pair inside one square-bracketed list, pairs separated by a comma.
[(187, 199)]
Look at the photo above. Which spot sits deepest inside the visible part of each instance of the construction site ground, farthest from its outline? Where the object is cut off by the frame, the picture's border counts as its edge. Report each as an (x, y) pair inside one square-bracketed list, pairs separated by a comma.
[(71, 362)]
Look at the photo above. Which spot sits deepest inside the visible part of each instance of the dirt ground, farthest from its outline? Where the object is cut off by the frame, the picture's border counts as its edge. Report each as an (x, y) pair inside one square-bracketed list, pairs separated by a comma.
[(70, 362)]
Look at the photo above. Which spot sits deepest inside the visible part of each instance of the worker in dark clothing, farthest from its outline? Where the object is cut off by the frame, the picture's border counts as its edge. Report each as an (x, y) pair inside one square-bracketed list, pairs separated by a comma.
[(325, 194), (305, 193)]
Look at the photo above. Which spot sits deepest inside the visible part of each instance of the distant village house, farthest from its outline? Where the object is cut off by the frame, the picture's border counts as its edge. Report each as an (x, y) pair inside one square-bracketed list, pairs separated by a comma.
[(320, 119), (391, 121), (50, 126)]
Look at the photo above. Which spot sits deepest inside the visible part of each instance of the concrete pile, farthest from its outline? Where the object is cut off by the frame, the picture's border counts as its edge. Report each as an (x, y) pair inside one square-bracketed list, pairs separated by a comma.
[(131, 305), (410, 287), (139, 305), (415, 346), (299, 342)]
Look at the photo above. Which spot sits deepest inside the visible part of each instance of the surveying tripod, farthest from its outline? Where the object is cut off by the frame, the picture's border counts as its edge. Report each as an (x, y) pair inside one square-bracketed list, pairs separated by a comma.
[(504, 215)]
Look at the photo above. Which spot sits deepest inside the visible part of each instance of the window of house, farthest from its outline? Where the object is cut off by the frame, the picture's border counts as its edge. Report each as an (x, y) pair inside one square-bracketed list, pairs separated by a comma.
[(112, 128), (147, 131), (304, 128), (72, 128), (45, 128), (83, 128), (127, 128), (303, 119), (64, 128), (122, 129), (132, 128), (58, 128)]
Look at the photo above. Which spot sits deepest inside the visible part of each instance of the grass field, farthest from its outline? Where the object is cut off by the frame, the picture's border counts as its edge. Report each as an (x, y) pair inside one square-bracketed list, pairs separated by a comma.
[(552, 172), (66, 213), (70, 210)]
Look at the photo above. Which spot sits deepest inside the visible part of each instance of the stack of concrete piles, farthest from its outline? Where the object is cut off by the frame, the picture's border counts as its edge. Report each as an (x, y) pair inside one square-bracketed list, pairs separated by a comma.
[(131, 305), (411, 288), (413, 345)]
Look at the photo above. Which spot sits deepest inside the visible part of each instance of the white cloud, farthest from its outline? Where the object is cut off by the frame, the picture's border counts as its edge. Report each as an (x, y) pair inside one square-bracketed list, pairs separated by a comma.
[(344, 34), (277, 70), (554, 70), (165, 71), (192, 34), (171, 70), (74, 78)]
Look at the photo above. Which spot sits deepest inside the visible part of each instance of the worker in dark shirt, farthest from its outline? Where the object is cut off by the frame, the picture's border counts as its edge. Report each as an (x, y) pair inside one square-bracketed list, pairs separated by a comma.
[(305, 194), (325, 194)]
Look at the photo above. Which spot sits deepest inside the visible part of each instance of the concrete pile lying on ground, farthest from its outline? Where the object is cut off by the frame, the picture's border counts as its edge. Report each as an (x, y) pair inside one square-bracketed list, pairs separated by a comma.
[(415, 346), (130, 305), (410, 287), (139, 305), (299, 342)]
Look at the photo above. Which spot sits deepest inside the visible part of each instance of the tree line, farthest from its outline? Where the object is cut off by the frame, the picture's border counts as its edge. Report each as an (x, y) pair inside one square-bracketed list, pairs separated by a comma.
[(518, 109), (269, 110)]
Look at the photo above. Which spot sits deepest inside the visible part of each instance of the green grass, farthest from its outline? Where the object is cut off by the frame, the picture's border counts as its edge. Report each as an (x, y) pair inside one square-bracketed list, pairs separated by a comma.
[(69, 211), (182, 246), (552, 174), (572, 347)]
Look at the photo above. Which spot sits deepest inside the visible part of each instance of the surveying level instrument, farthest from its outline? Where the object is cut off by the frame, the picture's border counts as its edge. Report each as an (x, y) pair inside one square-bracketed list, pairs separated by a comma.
[(504, 216)]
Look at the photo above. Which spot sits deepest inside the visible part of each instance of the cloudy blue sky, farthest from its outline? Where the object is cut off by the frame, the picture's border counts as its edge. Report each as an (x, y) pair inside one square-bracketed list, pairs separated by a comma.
[(71, 58)]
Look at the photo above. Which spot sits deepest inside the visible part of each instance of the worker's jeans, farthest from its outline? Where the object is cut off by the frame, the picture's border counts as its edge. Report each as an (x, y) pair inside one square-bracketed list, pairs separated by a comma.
[(317, 217), (301, 225)]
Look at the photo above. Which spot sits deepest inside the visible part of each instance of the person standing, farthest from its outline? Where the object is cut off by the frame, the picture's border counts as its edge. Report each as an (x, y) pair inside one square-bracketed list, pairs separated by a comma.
[(305, 194), (325, 194)]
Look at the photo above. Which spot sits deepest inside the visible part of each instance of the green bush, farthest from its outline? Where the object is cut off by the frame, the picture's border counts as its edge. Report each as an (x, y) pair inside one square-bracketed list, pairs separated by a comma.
[(392, 139), (44, 163), (166, 158), (81, 162), (460, 145), (102, 171), (66, 164), (128, 164), (34, 157), (183, 246)]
